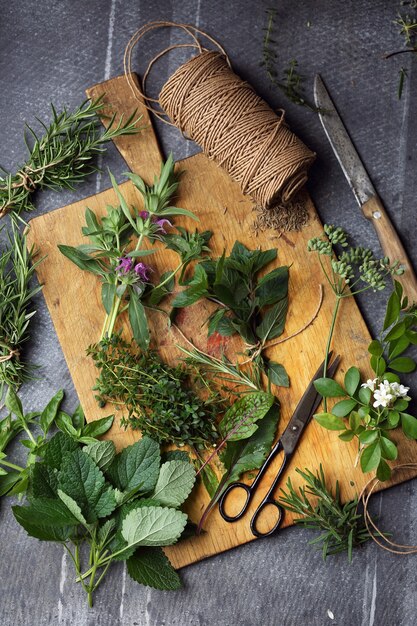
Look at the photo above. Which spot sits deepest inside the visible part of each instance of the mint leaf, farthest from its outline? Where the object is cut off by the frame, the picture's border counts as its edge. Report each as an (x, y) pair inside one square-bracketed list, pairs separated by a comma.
[(136, 466), (72, 506), (44, 481), (81, 479), (57, 447), (273, 321), (13, 403), (43, 512), (175, 482), (242, 416), (151, 567), (153, 526), (102, 453)]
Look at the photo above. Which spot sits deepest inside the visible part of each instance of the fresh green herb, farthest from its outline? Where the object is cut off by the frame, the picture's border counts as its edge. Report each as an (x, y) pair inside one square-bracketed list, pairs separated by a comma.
[(123, 509), (16, 273), (291, 82), (356, 271), (246, 453), (159, 399), (63, 156), (254, 308), (114, 257), (376, 407), (408, 30), (14, 478), (341, 527)]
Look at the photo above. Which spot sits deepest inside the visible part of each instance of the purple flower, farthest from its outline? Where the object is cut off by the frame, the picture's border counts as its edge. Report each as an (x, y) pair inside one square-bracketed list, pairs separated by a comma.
[(161, 223), (125, 265), (142, 271), (144, 215)]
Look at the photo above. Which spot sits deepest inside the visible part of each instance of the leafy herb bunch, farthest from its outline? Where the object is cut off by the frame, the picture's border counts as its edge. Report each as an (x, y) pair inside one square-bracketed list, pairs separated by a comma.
[(115, 251), (252, 307), (117, 507), (355, 271), (14, 479), (63, 156), (376, 407), (341, 527), (159, 399), (16, 272)]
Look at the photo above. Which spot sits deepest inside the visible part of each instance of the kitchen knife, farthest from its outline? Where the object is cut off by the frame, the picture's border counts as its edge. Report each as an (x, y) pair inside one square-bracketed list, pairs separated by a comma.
[(362, 187)]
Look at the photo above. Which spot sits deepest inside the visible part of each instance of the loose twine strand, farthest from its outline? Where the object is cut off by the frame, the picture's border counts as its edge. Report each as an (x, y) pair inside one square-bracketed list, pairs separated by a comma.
[(213, 106), (8, 357), (377, 535)]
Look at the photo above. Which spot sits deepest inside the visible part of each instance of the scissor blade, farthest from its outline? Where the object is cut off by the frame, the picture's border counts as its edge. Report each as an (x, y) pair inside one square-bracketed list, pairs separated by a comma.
[(305, 410), (342, 145)]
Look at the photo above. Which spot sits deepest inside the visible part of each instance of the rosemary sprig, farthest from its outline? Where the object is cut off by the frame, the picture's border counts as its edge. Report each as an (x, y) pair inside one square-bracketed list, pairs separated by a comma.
[(291, 82), (343, 527), (16, 272), (63, 156)]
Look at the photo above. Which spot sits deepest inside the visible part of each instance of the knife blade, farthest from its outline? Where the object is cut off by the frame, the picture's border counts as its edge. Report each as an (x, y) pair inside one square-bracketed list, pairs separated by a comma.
[(362, 187)]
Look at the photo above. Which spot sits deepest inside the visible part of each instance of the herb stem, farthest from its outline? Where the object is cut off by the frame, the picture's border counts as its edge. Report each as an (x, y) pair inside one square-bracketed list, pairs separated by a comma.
[(329, 341), (18, 468)]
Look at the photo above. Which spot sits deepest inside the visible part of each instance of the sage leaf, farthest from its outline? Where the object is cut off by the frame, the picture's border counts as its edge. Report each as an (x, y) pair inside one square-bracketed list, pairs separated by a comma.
[(151, 567), (137, 466), (239, 422), (329, 388), (138, 321), (49, 413), (153, 526), (175, 482), (329, 421), (102, 453), (371, 457)]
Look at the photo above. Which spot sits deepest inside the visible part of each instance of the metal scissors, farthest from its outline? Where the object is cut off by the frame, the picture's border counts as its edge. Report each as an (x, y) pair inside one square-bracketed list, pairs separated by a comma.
[(287, 443)]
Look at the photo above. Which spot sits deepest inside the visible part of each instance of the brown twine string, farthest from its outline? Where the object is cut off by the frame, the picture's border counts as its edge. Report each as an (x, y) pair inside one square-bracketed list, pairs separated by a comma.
[(7, 357), (377, 535), (210, 104)]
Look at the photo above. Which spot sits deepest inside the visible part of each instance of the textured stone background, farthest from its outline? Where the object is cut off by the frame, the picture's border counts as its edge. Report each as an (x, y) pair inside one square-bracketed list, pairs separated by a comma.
[(52, 51)]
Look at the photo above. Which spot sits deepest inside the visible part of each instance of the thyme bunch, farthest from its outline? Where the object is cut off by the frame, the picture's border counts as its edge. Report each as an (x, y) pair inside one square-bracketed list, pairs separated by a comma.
[(342, 527), (63, 156), (158, 398), (16, 271)]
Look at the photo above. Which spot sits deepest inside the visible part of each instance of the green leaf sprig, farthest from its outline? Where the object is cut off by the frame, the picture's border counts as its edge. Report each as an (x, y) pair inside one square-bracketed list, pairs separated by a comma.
[(115, 251), (341, 527), (63, 156), (378, 406), (17, 291), (355, 271), (14, 478), (121, 507), (252, 307)]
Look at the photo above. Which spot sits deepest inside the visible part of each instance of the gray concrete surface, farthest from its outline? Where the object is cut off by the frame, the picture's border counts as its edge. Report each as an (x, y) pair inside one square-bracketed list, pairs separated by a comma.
[(52, 51)]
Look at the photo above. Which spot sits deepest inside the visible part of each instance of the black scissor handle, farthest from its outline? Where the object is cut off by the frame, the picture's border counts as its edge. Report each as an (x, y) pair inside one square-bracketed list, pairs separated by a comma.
[(253, 523), (226, 493)]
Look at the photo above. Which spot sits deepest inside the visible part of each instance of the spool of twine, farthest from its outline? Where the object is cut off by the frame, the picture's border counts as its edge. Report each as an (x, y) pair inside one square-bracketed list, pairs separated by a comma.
[(213, 106)]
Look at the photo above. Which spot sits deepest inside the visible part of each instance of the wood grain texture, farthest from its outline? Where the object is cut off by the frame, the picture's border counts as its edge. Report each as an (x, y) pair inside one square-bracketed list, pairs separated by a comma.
[(73, 299), (391, 244)]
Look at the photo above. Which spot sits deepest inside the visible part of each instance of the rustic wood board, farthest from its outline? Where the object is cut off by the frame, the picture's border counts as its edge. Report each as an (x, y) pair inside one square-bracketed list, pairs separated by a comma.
[(73, 299)]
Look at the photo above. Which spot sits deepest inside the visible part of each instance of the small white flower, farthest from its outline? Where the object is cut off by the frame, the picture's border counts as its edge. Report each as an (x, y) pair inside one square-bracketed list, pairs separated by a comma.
[(370, 384), (382, 397), (400, 391)]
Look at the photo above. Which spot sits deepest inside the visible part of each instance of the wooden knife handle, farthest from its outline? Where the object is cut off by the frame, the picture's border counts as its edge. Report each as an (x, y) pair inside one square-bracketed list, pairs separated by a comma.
[(391, 244)]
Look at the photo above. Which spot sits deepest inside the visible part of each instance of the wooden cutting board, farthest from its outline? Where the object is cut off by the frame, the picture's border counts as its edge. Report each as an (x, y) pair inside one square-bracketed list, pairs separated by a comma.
[(74, 302)]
